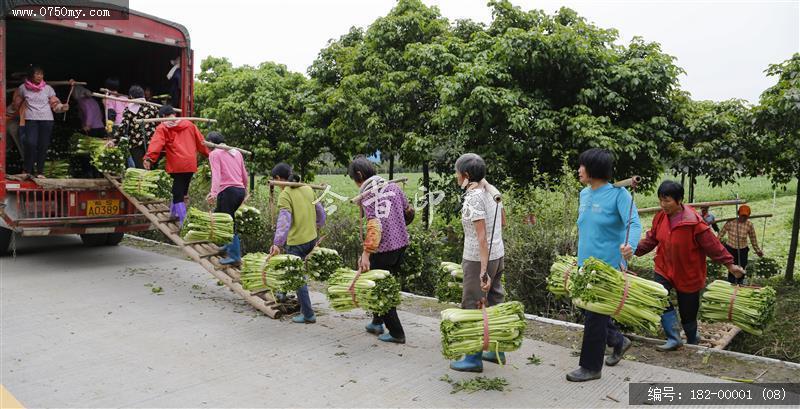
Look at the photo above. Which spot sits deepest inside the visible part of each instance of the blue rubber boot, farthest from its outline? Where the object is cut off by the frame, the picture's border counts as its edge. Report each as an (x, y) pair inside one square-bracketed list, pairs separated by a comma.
[(376, 329), (234, 253), (496, 358), (691, 333), (178, 211), (389, 338), (669, 321), (300, 319), (470, 363)]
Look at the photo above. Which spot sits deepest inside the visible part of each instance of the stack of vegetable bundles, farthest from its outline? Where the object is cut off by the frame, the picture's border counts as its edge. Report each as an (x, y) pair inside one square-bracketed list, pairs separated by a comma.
[(105, 159), (147, 184), (462, 330), (281, 273), (322, 262), (248, 219), (449, 283), (751, 309), (559, 282), (214, 227), (56, 169), (632, 301), (375, 291)]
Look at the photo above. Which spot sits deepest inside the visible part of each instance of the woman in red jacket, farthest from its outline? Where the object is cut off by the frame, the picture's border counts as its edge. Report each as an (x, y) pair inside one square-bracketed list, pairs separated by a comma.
[(683, 240), (182, 141)]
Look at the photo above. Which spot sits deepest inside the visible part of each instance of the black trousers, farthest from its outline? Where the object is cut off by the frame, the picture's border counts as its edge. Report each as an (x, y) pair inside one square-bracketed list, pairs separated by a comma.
[(137, 153), (37, 141), (739, 258), (598, 331), (688, 303), (180, 185), (391, 261), (229, 200)]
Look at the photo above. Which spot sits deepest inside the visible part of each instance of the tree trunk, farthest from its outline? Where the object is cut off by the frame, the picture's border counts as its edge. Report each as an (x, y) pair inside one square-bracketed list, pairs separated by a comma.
[(426, 181), (691, 187), (391, 166), (795, 228), (683, 179)]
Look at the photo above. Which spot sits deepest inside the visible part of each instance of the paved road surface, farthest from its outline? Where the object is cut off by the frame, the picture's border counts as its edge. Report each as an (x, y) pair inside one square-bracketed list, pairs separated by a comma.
[(82, 327)]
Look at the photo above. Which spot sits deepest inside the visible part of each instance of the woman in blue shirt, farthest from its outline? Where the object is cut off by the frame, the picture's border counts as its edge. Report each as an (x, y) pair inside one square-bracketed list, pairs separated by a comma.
[(602, 219)]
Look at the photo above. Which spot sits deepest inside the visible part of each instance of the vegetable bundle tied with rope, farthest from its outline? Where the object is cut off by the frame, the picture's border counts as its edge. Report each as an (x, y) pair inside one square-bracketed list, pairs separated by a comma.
[(249, 220), (279, 273), (375, 291), (499, 329), (558, 282), (632, 301), (322, 262), (147, 184), (749, 308), (449, 282), (207, 226)]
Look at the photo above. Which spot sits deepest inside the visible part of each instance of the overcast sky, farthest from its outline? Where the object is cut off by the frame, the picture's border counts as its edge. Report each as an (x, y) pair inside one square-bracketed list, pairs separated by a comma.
[(724, 46)]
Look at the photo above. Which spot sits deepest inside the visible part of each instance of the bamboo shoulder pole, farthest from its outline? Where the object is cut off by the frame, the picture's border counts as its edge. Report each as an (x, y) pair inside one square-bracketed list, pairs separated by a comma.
[(755, 216), (628, 182), (296, 184), (57, 83), (358, 197), (140, 101), (176, 118), (699, 204), (227, 148)]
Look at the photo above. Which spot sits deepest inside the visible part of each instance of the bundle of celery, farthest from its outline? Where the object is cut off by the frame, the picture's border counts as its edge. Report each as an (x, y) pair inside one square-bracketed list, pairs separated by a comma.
[(56, 169), (147, 184), (109, 159), (322, 262), (214, 227), (375, 291), (600, 288), (559, 280), (449, 286), (281, 273), (248, 220), (462, 330), (86, 145), (752, 310)]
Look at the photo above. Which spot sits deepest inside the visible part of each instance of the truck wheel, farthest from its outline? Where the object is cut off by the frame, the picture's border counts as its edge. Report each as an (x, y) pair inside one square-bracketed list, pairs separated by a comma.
[(94, 240), (5, 239), (114, 238)]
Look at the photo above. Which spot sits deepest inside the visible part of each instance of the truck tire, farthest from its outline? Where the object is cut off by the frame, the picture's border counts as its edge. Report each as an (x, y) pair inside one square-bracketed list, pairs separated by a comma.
[(5, 239), (114, 239), (94, 240)]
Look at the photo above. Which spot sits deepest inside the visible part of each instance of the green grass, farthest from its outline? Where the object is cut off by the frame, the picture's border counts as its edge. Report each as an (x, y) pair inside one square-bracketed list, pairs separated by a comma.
[(343, 185)]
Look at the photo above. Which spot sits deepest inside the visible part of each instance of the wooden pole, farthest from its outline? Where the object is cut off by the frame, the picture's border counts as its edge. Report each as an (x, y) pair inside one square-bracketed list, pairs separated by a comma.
[(698, 205), (56, 83), (140, 101), (755, 216), (628, 182), (226, 147), (175, 118), (357, 198), (296, 184)]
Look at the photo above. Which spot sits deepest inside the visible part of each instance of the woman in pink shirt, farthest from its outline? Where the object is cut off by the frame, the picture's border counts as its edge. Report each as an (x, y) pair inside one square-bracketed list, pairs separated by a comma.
[(228, 189)]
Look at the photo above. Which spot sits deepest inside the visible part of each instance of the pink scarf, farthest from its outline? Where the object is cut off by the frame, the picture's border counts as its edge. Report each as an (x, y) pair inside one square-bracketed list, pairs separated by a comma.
[(35, 87)]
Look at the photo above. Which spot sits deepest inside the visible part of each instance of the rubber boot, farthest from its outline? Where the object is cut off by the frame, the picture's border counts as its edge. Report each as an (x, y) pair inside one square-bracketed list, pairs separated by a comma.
[(300, 319), (178, 211), (389, 338), (619, 352), (669, 321), (470, 363), (234, 253), (376, 329), (582, 375), (223, 249), (495, 358), (691, 333)]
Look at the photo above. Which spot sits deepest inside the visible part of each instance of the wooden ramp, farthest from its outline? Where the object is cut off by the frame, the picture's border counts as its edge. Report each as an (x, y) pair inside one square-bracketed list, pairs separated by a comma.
[(206, 254), (717, 335)]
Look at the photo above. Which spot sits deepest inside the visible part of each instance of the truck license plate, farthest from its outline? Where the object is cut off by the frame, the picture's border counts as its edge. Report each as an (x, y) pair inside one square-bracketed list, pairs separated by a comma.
[(102, 207)]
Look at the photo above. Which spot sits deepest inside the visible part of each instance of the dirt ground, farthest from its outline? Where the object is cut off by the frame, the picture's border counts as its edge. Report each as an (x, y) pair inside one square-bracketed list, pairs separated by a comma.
[(707, 362)]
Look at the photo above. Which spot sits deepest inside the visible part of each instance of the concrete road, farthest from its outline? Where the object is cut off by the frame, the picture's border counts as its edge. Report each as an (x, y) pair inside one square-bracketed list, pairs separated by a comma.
[(83, 327)]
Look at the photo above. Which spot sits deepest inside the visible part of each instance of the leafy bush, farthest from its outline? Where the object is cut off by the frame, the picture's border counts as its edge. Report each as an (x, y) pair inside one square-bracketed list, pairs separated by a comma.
[(764, 267), (418, 272)]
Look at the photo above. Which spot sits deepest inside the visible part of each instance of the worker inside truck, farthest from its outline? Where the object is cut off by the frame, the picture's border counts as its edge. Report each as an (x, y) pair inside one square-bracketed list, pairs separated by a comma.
[(66, 53)]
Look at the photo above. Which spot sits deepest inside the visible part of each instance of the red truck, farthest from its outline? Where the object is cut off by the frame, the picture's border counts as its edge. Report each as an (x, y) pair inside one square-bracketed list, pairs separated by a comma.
[(137, 50)]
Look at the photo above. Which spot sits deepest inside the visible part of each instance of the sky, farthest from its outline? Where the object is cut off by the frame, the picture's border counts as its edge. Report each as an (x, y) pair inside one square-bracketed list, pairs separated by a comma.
[(724, 46)]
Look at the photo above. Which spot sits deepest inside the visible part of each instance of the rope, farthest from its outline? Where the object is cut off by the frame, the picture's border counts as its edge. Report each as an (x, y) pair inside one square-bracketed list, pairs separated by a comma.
[(352, 288), (624, 295), (733, 299), (566, 277), (623, 265), (485, 329), (211, 225), (264, 270)]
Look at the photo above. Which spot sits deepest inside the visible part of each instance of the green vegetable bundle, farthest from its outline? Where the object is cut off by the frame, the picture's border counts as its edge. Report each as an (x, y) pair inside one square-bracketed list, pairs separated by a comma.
[(109, 160), (375, 291), (599, 288), (56, 169), (462, 330), (147, 184), (449, 282), (322, 262), (214, 227), (559, 281), (281, 273), (753, 308), (86, 145), (249, 220)]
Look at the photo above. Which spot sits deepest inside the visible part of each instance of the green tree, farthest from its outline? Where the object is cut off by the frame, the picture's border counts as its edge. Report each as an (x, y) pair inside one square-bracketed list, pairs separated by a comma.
[(775, 148)]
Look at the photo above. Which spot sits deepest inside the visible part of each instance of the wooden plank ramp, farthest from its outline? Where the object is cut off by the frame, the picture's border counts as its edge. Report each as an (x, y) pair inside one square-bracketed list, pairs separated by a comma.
[(206, 255)]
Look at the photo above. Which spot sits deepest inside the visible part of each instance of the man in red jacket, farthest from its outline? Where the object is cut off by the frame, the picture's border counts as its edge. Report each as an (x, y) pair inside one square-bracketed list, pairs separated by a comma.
[(182, 141), (683, 240)]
